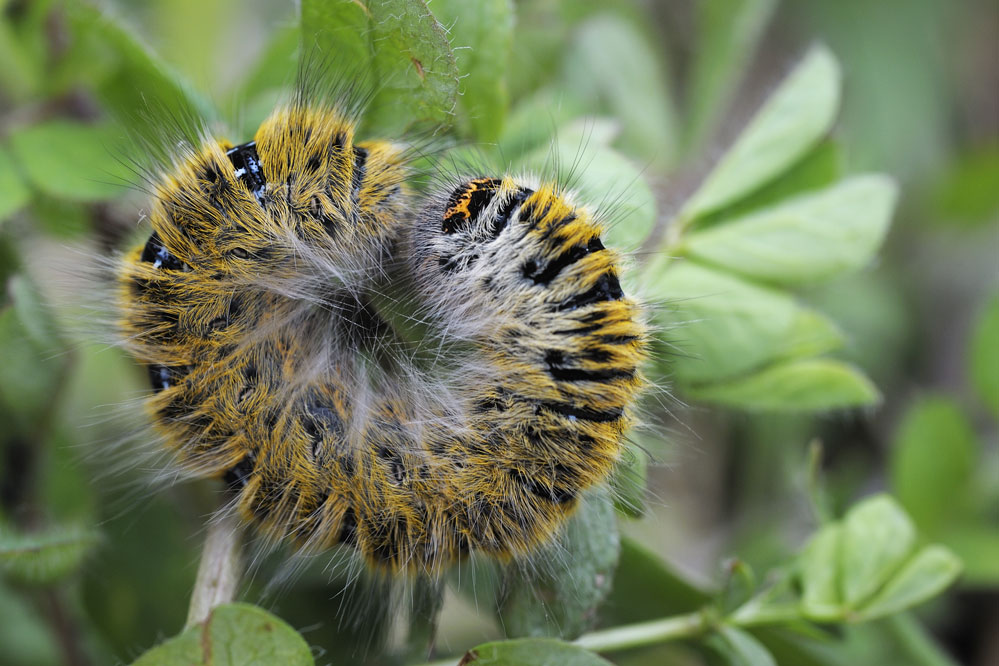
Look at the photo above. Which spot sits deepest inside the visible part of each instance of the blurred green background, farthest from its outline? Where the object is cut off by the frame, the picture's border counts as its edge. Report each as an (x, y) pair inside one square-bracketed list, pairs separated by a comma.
[(920, 102)]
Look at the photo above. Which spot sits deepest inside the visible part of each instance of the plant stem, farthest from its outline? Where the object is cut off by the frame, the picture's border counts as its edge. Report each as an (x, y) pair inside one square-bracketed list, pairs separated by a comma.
[(634, 635), (645, 633), (219, 570)]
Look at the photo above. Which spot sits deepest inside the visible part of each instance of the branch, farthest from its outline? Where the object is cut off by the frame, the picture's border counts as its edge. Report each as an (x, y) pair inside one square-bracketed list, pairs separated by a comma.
[(219, 570)]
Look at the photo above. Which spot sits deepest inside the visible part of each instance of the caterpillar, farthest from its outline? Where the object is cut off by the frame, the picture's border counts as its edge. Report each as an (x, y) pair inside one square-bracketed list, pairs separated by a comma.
[(258, 306)]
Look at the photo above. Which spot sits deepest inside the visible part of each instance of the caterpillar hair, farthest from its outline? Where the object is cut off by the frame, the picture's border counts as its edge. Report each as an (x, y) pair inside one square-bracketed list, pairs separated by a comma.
[(261, 305)]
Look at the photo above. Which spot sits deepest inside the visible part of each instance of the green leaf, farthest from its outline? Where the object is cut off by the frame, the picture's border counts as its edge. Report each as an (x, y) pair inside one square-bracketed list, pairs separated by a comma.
[(531, 652), (874, 314), (793, 386), (335, 33), (647, 588), (263, 86), (984, 355), (721, 326), (395, 49), (811, 333), (31, 362), (60, 218), (146, 97), (14, 194), (72, 160), (727, 32), (25, 637), (534, 120), (790, 123), (977, 546), (481, 35), (927, 574), (877, 539), (819, 168), (933, 487), (819, 569), (613, 66), (740, 648), (558, 591), (790, 647), (805, 239), (45, 557), (629, 481), (233, 635), (602, 178), (968, 193), (32, 313), (20, 76)]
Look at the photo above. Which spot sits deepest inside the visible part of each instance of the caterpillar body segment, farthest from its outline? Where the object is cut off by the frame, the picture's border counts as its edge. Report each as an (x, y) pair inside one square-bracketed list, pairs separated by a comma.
[(271, 369)]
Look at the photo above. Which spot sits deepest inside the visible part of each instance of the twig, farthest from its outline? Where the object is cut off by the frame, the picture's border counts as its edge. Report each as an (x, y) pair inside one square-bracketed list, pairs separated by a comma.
[(219, 570)]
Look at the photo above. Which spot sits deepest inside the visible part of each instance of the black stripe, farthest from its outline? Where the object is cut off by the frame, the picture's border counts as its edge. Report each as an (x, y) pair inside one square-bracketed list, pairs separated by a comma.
[(555, 360), (551, 493), (360, 170), (606, 288), (246, 162), (478, 194), (579, 331), (617, 339), (555, 266), (502, 218), (584, 413)]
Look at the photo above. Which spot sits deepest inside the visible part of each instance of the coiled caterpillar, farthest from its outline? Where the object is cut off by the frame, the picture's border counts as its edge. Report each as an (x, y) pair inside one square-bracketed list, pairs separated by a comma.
[(251, 306)]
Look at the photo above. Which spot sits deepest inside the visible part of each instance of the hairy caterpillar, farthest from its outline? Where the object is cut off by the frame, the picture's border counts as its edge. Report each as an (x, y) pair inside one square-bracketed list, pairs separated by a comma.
[(252, 304)]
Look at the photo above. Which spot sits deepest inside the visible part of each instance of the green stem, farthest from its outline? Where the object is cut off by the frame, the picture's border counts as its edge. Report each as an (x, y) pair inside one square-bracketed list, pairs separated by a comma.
[(646, 633), (912, 638)]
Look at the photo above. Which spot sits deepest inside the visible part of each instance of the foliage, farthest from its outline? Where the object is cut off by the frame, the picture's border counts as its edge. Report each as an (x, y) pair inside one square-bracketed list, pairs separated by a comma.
[(769, 318)]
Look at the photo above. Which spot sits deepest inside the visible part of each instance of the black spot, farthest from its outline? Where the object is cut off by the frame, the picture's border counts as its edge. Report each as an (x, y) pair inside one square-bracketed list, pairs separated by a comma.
[(606, 288), (159, 256), (319, 421), (239, 474), (396, 467), (164, 376), (249, 383), (348, 528), (233, 310), (490, 404), (248, 169), (313, 163)]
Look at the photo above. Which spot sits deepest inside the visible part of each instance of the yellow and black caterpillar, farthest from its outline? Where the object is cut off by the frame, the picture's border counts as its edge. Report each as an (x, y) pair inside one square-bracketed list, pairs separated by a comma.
[(250, 305)]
